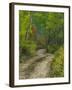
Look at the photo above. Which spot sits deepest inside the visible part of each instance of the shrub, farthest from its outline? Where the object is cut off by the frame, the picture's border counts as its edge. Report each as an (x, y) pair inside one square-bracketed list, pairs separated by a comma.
[(57, 65), (29, 48), (52, 48)]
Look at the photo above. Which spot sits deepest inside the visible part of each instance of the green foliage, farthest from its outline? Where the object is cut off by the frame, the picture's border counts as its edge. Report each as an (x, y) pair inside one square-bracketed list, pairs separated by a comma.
[(49, 31), (28, 48), (57, 65), (55, 20), (52, 48)]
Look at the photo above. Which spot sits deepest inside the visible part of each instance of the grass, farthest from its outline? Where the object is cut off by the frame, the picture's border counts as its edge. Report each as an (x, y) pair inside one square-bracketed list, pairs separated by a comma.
[(57, 65)]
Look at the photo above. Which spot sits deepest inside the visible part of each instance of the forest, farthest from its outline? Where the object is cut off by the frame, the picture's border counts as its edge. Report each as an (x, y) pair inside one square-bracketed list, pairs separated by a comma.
[(42, 31)]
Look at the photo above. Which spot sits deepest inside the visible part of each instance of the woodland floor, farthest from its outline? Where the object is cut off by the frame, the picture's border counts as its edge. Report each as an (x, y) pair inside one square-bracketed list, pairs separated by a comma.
[(36, 67)]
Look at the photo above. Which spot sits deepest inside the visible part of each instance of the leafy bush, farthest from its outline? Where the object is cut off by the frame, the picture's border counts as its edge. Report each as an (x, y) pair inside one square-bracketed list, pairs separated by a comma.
[(57, 65), (29, 48), (52, 48)]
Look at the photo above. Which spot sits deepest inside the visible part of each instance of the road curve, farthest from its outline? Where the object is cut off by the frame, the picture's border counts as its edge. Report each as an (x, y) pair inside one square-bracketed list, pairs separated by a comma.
[(36, 67)]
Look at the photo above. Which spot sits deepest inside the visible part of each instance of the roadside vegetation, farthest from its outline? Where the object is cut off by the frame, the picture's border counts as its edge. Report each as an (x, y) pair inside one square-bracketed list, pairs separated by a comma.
[(57, 65)]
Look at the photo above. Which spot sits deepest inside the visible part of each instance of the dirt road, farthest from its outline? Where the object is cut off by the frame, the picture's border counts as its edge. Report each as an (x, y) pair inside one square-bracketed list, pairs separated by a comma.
[(36, 67)]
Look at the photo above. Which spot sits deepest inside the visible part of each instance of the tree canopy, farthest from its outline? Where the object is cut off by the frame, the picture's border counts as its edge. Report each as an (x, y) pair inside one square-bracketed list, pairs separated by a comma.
[(44, 29)]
